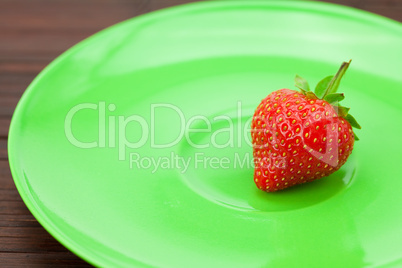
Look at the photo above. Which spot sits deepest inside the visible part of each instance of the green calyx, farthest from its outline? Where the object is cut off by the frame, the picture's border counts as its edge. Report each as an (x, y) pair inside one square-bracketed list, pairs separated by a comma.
[(326, 90)]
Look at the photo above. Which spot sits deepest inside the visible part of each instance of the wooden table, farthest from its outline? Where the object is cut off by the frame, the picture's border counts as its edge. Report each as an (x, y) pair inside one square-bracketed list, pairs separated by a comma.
[(32, 34)]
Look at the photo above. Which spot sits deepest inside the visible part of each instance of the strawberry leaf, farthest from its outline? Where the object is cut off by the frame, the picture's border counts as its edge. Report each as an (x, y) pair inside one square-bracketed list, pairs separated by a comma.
[(356, 138), (343, 111), (334, 97), (311, 95), (302, 84), (326, 90), (322, 86), (352, 121)]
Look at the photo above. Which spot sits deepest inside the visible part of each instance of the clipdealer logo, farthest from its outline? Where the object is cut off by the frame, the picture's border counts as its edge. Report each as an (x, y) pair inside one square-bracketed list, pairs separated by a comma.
[(112, 128)]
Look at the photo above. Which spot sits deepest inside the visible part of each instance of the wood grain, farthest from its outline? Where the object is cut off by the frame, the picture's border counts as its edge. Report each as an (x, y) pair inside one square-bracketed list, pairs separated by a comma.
[(3, 149), (6, 181), (41, 259), (20, 221), (4, 125), (32, 34)]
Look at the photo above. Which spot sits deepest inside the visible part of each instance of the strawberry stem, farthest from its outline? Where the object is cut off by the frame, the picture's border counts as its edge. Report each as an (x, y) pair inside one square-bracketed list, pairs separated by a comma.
[(335, 81)]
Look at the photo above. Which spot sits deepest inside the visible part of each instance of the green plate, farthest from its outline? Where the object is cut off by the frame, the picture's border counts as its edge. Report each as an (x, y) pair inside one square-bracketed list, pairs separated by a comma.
[(132, 148)]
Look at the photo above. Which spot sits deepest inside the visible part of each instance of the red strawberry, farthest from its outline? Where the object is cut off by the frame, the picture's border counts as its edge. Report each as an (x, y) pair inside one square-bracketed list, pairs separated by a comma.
[(301, 136)]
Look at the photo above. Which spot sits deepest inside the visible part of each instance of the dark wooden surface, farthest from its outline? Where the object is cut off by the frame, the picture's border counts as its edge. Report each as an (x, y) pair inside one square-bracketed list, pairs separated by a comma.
[(32, 34)]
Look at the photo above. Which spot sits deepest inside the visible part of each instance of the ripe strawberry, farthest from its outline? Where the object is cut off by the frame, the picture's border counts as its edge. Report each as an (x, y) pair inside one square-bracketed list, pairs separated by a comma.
[(301, 136)]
